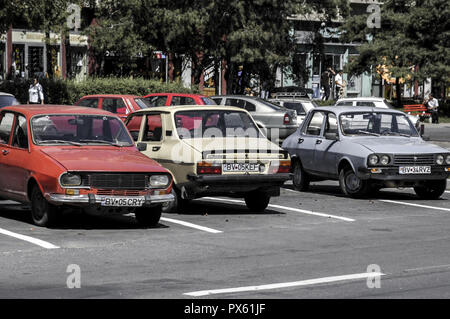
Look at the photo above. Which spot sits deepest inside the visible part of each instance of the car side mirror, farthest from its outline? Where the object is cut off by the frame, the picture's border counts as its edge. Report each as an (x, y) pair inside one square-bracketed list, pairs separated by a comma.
[(332, 136), (141, 147)]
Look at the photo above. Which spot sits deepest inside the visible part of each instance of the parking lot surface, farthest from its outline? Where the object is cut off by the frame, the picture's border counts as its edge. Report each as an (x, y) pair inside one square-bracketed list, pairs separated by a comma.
[(317, 244)]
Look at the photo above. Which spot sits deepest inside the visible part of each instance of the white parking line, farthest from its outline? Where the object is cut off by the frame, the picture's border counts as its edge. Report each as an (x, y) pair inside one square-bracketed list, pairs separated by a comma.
[(206, 229), (308, 282), (415, 205), (28, 239), (308, 212)]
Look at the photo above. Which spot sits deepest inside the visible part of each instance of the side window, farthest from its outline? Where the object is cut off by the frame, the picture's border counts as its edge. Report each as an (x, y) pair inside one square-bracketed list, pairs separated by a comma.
[(315, 124), (331, 125), (153, 128), (20, 137), (182, 100), (89, 103), (217, 100), (6, 123), (158, 100), (114, 105), (365, 103), (250, 106), (134, 125), (345, 103)]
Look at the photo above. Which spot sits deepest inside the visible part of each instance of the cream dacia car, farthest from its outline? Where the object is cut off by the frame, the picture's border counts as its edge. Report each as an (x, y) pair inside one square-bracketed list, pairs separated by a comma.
[(211, 151)]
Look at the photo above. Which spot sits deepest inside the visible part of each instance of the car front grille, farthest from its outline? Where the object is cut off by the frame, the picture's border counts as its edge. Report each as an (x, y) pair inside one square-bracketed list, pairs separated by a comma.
[(421, 159), (110, 192), (117, 181)]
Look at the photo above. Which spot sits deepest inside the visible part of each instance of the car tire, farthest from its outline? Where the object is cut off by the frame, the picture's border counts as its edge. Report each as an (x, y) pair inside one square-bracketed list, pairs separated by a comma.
[(148, 216), (178, 205), (42, 212), (257, 201), (432, 189), (300, 178), (352, 185)]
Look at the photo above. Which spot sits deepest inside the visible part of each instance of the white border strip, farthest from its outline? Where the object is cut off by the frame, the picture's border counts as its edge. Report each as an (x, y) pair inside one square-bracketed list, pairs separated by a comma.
[(206, 229), (308, 212), (28, 239), (415, 205), (308, 282)]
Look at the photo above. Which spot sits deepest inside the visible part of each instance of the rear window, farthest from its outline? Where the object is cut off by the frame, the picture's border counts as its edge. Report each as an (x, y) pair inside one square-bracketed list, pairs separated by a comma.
[(182, 100), (6, 100), (208, 101), (297, 106), (142, 103), (89, 103), (269, 104)]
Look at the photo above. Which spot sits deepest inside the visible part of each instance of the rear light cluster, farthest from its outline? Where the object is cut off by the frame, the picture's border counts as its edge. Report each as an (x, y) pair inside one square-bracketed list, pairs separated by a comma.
[(286, 119), (208, 168), (283, 167)]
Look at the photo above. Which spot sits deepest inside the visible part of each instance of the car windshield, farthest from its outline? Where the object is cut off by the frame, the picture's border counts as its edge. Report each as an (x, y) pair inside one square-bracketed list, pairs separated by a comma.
[(79, 129), (6, 100), (376, 124), (214, 123), (142, 103)]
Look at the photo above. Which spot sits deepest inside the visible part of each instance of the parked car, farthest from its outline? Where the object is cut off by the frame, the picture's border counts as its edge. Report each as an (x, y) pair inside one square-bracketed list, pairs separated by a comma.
[(366, 149), (213, 151), (7, 99), (276, 122), (300, 105), (115, 103), (57, 156), (374, 102), (171, 99)]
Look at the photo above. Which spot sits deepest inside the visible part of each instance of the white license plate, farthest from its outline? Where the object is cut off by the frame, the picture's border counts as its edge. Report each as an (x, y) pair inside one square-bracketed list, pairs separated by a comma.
[(414, 170), (240, 167), (119, 201)]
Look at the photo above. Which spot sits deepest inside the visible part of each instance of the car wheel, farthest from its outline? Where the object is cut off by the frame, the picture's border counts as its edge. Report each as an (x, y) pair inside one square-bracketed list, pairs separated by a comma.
[(257, 201), (148, 216), (42, 212), (432, 189), (300, 178), (351, 184), (178, 205)]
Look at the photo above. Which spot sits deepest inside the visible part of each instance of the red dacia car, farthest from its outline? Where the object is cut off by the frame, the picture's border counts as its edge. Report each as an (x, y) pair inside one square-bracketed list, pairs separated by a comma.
[(53, 156)]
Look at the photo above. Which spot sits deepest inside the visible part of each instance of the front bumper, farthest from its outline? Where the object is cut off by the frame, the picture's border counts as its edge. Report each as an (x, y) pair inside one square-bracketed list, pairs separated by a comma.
[(92, 199), (392, 174)]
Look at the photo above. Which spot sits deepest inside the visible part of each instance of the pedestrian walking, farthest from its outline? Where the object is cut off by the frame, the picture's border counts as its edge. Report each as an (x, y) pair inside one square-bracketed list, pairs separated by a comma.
[(340, 84), (326, 80), (433, 105), (35, 93)]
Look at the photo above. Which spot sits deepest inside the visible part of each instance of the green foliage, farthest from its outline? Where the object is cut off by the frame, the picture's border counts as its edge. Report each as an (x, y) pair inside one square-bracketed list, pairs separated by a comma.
[(57, 91)]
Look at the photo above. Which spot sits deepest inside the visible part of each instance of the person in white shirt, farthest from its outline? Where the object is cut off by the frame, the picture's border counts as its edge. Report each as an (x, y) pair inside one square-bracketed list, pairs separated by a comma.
[(340, 84), (433, 106), (35, 93)]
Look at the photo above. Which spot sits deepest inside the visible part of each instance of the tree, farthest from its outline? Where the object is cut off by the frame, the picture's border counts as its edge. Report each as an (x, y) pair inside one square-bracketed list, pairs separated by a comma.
[(411, 34)]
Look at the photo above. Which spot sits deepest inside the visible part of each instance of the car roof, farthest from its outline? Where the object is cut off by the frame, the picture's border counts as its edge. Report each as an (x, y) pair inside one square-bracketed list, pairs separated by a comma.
[(290, 99), (177, 94), (356, 109), (31, 110), (109, 95), (176, 108), (4, 93), (361, 99)]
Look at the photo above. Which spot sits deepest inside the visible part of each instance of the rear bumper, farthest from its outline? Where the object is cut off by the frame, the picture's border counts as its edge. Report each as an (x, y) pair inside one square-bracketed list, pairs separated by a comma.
[(239, 180), (92, 199)]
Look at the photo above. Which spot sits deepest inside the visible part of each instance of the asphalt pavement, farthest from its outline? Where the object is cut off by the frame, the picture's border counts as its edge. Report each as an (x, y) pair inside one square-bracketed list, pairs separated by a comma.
[(315, 244)]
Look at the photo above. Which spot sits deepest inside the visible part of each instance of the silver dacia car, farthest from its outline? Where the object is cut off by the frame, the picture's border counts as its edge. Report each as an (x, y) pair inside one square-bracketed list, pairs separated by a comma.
[(366, 149)]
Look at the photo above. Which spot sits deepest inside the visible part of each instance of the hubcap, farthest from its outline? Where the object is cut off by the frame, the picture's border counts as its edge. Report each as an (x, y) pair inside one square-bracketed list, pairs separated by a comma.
[(353, 182)]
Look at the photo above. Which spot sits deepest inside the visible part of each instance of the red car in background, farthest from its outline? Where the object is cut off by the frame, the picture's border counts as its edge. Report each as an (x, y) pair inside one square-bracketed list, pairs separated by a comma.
[(170, 99), (119, 104)]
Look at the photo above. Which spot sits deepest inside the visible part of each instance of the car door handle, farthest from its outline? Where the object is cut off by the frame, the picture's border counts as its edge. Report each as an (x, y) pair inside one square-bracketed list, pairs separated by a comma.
[(156, 148), (5, 152), (300, 141), (318, 141)]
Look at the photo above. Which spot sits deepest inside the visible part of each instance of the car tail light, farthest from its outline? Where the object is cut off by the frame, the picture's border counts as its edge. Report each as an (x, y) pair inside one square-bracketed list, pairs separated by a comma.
[(280, 167), (208, 168), (286, 119)]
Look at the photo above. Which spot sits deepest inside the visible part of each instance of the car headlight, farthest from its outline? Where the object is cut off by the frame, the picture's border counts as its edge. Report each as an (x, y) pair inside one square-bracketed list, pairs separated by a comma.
[(69, 179), (385, 160), (159, 181), (440, 159), (447, 159), (373, 159)]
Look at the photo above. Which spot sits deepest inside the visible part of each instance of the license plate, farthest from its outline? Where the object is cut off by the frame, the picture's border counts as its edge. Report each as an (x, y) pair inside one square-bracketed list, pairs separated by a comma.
[(415, 170), (123, 201), (240, 167)]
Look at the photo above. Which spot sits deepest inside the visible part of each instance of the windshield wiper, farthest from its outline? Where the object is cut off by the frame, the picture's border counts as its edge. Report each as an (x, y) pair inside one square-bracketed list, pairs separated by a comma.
[(368, 133), (396, 133), (100, 141), (59, 142)]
